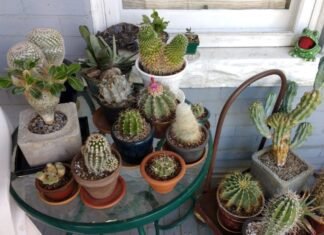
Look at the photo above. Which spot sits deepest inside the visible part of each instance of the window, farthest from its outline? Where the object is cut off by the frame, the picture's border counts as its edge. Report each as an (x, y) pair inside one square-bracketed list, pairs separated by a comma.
[(220, 23)]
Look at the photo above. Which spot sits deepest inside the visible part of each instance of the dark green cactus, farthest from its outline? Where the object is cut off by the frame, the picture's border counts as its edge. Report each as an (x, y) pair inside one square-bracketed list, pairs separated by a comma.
[(240, 191), (158, 58), (157, 102), (131, 123)]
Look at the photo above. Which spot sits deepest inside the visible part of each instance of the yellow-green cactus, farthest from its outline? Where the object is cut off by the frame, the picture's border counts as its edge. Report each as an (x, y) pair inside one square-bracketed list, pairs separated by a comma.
[(52, 173), (131, 123)]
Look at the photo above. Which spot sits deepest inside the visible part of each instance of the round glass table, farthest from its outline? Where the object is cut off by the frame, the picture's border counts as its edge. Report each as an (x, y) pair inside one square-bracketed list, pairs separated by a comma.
[(140, 206)]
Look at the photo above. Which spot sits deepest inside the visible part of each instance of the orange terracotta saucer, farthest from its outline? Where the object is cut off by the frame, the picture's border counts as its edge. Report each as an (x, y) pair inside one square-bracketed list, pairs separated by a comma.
[(107, 202), (48, 201)]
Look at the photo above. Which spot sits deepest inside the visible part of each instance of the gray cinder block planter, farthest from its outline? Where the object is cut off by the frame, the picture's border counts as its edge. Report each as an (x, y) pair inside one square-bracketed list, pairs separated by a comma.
[(270, 182), (61, 145)]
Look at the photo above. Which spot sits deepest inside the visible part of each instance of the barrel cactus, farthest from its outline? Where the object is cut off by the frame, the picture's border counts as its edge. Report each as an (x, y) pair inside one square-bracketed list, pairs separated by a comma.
[(198, 110), (240, 191), (131, 123), (157, 102), (163, 166), (51, 42), (97, 155), (52, 173), (284, 121), (157, 57), (186, 128)]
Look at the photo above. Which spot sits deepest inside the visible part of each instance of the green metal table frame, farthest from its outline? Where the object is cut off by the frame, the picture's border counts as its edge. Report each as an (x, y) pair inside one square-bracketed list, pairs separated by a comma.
[(137, 222)]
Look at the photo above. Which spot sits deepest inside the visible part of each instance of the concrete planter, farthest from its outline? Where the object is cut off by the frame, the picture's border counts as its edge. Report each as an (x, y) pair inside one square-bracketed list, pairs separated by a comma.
[(270, 182), (61, 145)]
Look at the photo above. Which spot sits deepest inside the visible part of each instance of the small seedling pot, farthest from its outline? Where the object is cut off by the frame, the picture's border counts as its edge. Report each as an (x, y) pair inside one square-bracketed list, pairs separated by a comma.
[(192, 48), (164, 186), (204, 120)]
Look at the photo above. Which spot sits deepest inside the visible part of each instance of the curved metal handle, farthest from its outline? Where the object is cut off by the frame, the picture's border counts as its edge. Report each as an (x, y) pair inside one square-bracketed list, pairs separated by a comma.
[(228, 104)]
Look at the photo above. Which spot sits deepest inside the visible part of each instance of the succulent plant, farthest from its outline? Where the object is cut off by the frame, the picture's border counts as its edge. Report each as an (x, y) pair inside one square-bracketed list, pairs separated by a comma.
[(240, 191), (157, 57), (52, 173), (131, 123), (284, 121), (192, 37), (198, 110), (186, 128), (158, 23), (157, 102), (51, 42), (114, 88), (318, 195), (101, 56), (163, 166), (97, 155)]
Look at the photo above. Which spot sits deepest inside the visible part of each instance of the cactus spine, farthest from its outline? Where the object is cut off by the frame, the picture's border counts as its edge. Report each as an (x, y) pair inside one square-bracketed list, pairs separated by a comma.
[(131, 123), (186, 127), (158, 58), (240, 191), (198, 110), (157, 102), (97, 155), (52, 173), (163, 166), (283, 122)]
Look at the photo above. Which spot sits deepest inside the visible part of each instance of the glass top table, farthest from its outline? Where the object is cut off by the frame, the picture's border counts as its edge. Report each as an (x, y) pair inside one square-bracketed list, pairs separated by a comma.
[(140, 206)]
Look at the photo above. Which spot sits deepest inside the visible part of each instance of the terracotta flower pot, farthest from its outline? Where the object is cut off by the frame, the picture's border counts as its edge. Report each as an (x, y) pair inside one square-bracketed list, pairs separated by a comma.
[(58, 194), (164, 186), (101, 188), (160, 128), (317, 226), (230, 221)]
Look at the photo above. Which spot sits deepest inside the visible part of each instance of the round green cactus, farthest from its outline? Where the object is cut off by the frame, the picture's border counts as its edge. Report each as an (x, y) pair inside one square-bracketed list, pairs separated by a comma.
[(131, 123), (157, 102), (97, 155), (163, 166), (198, 110), (52, 173), (240, 191)]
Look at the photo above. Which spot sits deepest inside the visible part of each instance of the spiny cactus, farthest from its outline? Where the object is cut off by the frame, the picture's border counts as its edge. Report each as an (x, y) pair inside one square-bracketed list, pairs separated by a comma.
[(283, 122), (158, 23), (318, 195), (282, 214), (158, 58), (131, 123), (157, 102), (241, 192), (115, 89), (52, 173), (198, 110), (186, 127), (97, 155), (51, 42), (163, 166)]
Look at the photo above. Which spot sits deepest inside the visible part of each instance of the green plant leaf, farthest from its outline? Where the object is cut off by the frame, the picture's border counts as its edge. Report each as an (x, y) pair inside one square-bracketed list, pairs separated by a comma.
[(76, 83), (18, 90), (29, 80), (56, 89), (84, 31), (73, 68), (5, 82), (41, 84), (37, 94)]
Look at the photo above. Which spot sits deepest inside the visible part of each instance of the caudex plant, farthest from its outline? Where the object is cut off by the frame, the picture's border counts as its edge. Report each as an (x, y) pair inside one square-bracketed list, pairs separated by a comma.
[(239, 191), (163, 166), (287, 118), (52, 173)]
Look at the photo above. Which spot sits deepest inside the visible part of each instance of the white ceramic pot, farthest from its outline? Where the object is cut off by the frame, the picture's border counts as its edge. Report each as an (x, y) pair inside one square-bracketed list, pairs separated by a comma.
[(173, 81)]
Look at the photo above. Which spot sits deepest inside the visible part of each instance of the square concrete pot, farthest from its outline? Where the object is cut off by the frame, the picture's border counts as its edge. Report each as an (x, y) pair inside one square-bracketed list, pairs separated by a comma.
[(271, 182), (61, 145)]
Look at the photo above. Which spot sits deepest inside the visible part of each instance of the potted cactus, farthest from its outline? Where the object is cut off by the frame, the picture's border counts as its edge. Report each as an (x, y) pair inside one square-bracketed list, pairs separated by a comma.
[(277, 167), (133, 136), (55, 182), (158, 23), (97, 167), (163, 61), (193, 42), (163, 170), (317, 195), (185, 136), (36, 70), (158, 104), (201, 113), (239, 198)]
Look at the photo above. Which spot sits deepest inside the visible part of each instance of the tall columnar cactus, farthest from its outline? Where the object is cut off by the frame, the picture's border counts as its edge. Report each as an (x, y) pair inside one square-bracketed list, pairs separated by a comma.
[(158, 58), (240, 191), (51, 42), (97, 155), (115, 90), (186, 127), (198, 110), (318, 195), (52, 173), (163, 166), (283, 214), (284, 121), (131, 123), (157, 102)]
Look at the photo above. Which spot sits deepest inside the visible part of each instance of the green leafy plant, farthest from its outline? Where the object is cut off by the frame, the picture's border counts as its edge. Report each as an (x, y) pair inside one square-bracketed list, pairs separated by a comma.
[(163, 166), (241, 192), (52, 173), (33, 78), (158, 23), (131, 123)]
